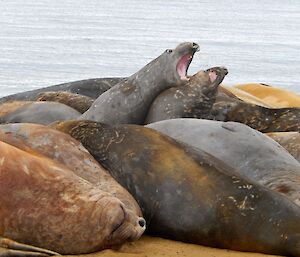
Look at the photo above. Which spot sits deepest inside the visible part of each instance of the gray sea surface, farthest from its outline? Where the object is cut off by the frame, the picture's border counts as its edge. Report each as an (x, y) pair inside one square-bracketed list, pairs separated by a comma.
[(47, 42)]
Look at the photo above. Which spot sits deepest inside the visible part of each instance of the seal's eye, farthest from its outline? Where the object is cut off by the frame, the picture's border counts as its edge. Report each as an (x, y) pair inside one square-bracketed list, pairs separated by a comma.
[(169, 51)]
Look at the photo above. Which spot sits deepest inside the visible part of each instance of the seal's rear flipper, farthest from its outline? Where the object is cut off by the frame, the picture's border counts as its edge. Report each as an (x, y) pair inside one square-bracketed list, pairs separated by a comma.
[(9, 248)]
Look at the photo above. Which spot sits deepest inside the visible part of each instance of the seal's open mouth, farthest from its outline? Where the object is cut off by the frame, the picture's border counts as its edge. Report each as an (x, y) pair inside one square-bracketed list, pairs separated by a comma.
[(217, 74), (183, 65)]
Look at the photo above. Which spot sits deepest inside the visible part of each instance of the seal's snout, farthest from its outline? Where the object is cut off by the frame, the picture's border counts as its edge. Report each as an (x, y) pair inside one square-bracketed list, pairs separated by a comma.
[(196, 47), (142, 223), (224, 70)]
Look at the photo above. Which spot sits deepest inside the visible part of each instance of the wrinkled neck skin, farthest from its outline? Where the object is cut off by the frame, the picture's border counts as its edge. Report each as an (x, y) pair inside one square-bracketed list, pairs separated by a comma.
[(155, 77)]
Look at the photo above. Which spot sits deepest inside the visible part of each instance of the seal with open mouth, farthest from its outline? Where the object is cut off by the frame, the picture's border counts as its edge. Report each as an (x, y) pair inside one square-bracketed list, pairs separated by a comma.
[(190, 195), (192, 100), (129, 100)]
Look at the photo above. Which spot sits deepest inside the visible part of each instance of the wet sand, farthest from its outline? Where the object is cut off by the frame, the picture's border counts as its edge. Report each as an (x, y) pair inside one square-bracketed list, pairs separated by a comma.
[(158, 247)]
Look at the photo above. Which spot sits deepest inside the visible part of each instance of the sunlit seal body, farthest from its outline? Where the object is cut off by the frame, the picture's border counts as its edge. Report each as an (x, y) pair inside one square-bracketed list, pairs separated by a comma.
[(129, 100), (277, 97), (191, 196), (89, 87), (247, 97), (68, 151), (78, 102), (248, 151), (194, 99), (289, 140), (255, 116), (41, 113), (45, 204)]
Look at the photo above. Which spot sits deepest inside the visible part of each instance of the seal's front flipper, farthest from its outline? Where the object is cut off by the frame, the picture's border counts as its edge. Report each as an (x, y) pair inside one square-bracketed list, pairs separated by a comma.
[(10, 248)]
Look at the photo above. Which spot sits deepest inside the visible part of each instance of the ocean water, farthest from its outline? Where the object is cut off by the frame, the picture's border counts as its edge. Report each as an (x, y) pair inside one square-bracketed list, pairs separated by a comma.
[(47, 42)]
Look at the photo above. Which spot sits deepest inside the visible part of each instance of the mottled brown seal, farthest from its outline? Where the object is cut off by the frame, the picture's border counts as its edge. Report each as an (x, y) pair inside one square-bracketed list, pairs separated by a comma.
[(129, 100), (289, 140), (255, 116), (191, 196), (78, 102), (45, 204)]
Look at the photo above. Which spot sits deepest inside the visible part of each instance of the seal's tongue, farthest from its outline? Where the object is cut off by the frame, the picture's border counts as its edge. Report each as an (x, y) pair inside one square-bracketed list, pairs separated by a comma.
[(213, 76), (183, 65)]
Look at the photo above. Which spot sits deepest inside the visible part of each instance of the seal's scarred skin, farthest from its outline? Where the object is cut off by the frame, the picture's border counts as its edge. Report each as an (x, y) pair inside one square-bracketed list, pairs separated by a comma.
[(192, 100), (68, 151), (89, 87), (289, 140), (255, 116), (45, 204), (78, 102), (248, 151), (191, 196), (41, 113), (129, 100)]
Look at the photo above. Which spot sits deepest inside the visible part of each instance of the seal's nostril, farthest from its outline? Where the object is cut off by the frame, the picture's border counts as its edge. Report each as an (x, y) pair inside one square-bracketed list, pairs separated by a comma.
[(142, 222)]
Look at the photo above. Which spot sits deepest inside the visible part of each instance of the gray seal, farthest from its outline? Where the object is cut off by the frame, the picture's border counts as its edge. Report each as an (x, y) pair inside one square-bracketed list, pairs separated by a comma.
[(129, 100), (253, 154), (88, 87), (41, 113)]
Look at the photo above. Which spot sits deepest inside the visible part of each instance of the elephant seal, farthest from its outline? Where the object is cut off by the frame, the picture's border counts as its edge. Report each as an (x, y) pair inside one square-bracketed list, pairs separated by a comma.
[(78, 102), (246, 97), (289, 140), (12, 106), (89, 87), (45, 204), (129, 100), (248, 151), (63, 148), (191, 196), (192, 100), (277, 97), (255, 116), (40, 112)]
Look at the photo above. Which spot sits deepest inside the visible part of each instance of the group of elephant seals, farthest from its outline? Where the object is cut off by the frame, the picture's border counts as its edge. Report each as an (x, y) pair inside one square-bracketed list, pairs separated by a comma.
[(63, 148), (89, 87), (191, 196), (251, 153), (40, 112), (81, 103), (129, 100), (289, 140), (277, 97), (194, 99), (45, 204)]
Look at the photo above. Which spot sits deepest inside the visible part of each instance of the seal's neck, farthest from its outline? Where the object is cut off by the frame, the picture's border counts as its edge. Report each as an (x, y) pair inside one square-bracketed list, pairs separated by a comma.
[(152, 79)]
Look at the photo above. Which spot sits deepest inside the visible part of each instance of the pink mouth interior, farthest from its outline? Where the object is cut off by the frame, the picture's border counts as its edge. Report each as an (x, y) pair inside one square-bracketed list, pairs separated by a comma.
[(213, 76), (183, 65)]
